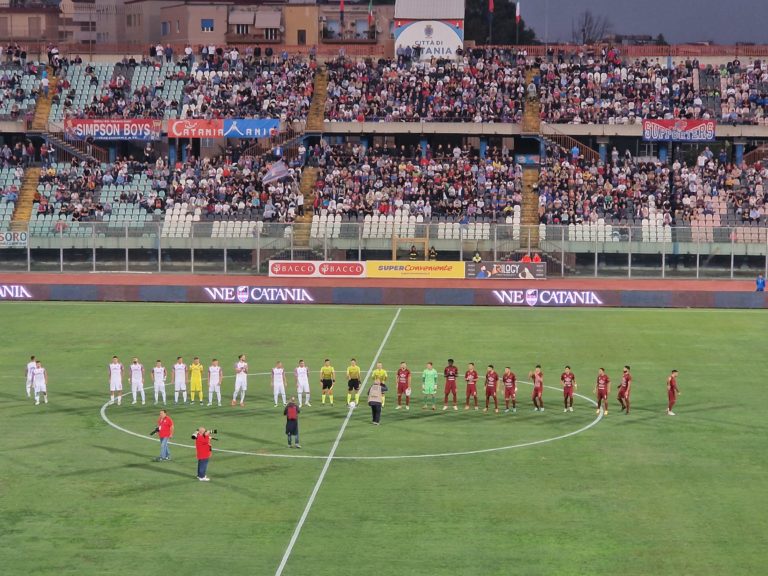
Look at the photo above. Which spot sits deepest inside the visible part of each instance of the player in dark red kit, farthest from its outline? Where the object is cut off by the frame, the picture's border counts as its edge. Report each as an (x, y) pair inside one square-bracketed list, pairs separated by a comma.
[(538, 388), (451, 374), (568, 380), (491, 387), (471, 378), (625, 387), (602, 389), (403, 386), (672, 392), (509, 380)]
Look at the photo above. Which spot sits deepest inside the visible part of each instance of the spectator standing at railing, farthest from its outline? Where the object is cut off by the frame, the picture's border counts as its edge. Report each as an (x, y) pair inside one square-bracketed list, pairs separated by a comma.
[(760, 283)]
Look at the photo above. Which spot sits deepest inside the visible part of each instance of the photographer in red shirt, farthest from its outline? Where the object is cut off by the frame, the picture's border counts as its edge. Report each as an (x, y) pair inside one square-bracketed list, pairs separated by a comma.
[(202, 440)]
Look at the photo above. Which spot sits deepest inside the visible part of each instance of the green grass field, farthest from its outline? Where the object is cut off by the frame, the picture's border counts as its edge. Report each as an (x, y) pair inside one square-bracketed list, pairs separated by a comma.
[(639, 494)]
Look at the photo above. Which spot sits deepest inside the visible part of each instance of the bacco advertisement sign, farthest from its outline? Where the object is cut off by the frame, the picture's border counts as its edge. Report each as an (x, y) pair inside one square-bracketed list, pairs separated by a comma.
[(436, 38), (316, 269)]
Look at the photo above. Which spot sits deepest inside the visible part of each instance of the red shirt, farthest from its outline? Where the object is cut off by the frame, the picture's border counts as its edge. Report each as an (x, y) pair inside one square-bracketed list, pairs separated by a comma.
[(402, 376), (509, 380), (451, 372), (602, 381), (470, 376), (672, 384), (626, 380), (538, 380), (567, 379), (166, 426), (203, 446), (491, 378)]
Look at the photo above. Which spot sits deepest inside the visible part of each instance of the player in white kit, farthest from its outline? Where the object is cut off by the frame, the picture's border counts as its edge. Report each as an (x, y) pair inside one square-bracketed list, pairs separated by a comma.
[(137, 380), (241, 380), (278, 382), (40, 382), (116, 380), (302, 383), (31, 365), (179, 380), (158, 379), (215, 375)]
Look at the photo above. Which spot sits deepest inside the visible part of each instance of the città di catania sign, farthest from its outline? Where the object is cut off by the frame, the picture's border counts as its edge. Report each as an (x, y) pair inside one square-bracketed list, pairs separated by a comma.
[(256, 294), (536, 297)]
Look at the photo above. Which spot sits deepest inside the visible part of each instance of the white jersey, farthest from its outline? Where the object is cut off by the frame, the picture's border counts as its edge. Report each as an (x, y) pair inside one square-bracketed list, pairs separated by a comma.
[(302, 376), (278, 377), (115, 373), (241, 369), (136, 373), (180, 373), (38, 377), (214, 376), (30, 368), (158, 374)]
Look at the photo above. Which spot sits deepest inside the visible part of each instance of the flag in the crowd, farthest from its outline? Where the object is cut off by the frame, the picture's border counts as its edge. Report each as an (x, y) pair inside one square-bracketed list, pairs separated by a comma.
[(490, 6), (278, 171), (517, 12), (370, 13), (341, 12)]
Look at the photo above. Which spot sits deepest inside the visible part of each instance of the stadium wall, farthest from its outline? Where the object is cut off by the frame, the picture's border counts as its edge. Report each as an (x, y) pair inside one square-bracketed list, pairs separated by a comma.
[(240, 290)]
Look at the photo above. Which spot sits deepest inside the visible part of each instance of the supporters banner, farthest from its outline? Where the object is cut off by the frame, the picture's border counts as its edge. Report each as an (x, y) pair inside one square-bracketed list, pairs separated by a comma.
[(109, 129), (13, 239), (250, 128), (316, 269), (506, 270), (679, 130), (414, 269), (196, 128)]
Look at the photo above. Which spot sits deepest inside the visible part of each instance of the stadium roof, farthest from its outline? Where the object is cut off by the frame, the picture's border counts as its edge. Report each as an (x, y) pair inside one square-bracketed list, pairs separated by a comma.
[(429, 9)]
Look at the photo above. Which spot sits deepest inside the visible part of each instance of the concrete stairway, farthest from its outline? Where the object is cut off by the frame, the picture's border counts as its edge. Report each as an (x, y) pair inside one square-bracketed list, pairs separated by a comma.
[(303, 224), (43, 106), (532, 109), (316, 114), (529, 218), (23, 211)]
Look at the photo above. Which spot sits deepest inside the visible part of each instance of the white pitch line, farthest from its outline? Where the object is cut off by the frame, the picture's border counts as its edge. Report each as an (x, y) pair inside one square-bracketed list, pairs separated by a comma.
[(331, 454)]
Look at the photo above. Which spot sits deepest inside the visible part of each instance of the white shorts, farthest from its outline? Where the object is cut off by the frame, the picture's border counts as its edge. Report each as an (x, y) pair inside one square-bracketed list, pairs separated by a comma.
[(279, 389), (241, 385), (159, 386), (115, 386), (42, 387), (303, 388), (137, 386), (179, 386), (29, 382), (214, 387)]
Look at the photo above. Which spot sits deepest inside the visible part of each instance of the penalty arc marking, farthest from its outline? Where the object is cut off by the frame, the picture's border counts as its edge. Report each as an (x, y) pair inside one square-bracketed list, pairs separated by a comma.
[(591, 424)]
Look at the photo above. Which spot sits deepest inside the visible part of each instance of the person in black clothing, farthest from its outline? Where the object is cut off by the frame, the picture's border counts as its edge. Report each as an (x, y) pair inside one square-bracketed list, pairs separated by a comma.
[(291, 413)]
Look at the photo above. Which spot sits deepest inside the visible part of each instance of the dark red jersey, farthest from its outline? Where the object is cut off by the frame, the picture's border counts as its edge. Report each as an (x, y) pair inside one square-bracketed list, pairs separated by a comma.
[(626, 380), (538, 380), (402, 376), (567, 378), (471, 376), (491, 378), (451, 373), (603, 381), (509, 380)]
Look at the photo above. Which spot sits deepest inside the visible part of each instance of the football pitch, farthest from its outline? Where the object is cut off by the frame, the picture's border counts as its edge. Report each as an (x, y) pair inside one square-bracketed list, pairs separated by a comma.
[(426, 492)]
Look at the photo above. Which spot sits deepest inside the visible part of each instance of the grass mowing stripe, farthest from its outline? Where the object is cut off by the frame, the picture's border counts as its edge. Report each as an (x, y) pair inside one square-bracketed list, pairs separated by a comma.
[(329, 459)]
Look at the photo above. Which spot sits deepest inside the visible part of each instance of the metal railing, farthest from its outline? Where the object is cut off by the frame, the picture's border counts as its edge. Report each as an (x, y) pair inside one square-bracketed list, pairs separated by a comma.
[(245, 248)]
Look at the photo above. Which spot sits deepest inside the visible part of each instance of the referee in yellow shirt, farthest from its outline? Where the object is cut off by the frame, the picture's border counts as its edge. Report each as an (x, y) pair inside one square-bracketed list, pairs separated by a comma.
[(382, 375), (327, 379), (353, 381)]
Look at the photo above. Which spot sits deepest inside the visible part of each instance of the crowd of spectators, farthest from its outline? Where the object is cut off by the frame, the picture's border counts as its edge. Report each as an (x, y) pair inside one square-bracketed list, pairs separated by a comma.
[(480, 86), (744, 93), (447, 181)]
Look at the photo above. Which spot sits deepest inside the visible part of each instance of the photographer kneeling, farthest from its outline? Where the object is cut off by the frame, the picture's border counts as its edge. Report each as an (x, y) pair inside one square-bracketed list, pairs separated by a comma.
[(202, 440)]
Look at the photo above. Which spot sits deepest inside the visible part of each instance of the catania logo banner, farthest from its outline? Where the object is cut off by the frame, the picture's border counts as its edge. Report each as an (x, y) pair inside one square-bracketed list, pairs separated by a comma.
[(534, 297), (258, 295), (398, 269)]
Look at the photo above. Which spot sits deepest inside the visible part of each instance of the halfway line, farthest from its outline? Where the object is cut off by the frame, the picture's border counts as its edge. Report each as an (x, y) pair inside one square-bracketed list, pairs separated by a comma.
[(331, 454)]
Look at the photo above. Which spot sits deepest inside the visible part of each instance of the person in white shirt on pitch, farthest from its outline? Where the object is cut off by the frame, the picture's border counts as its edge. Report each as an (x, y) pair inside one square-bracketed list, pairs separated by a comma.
[(40, 382), (241, 380), (179, 380), (31, 365), (278, 382), (302, 382), (116, 380), (158, 378), (137, 380), (214, 381)]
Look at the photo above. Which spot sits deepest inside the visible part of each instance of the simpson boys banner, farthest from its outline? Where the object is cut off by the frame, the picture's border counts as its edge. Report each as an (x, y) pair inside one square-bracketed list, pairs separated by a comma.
[(679, 130), (139, 129)]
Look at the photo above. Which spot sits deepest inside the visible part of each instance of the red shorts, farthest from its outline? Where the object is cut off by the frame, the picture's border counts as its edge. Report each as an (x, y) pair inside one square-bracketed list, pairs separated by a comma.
[(401, 388), (623, 393), (537, 392), (568, 392), (602, 395), (489, 392), (450, 387), (672, 394), (509, 393), (471, 390)]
